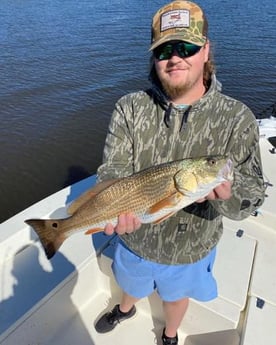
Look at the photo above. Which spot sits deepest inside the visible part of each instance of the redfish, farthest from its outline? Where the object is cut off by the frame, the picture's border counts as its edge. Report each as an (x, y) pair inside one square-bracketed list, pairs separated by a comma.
[(153, 195)]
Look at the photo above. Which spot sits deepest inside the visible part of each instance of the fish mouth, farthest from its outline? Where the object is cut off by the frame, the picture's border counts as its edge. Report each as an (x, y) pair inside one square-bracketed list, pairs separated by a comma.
[(227, 172)]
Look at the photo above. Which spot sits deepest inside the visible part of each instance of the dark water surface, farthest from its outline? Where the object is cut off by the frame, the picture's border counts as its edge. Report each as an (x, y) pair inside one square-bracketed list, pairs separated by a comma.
[(63, 64)]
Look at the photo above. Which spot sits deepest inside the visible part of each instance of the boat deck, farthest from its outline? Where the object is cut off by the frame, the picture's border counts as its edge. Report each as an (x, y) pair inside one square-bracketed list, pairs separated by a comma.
[(62, 299)]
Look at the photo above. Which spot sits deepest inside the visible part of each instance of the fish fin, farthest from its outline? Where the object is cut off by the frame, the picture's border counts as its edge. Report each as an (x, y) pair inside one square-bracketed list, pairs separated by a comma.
[(49, 236), (160, 220), (88, 195), (76, 204), (93, 231), (168, 202)]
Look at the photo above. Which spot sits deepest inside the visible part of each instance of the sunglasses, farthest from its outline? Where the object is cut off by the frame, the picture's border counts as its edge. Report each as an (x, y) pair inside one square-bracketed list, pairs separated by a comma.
[(184, 50)]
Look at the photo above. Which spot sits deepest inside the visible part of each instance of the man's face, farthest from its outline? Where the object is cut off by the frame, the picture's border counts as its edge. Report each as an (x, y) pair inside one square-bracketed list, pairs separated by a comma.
[(182, 76)]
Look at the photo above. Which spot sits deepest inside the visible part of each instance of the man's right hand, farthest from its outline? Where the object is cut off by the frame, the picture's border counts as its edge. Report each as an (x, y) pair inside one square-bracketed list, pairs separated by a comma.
[(127, 223)]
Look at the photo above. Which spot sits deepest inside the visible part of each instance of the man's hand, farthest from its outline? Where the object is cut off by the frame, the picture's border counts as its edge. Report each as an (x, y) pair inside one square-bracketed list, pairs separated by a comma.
[(127, 223), (222, 192)]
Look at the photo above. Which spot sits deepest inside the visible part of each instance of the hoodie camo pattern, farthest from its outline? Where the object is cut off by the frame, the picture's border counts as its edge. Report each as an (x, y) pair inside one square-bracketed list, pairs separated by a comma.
[(146, 130)]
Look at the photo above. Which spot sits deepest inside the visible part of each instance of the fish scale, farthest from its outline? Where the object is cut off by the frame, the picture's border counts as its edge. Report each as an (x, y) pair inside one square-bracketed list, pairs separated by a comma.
[(152, 195), (143, 191), (122, 205)]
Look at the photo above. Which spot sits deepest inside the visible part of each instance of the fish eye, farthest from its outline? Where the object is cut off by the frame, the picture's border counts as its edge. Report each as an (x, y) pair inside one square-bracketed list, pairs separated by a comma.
[(55, 225), (212, 161)]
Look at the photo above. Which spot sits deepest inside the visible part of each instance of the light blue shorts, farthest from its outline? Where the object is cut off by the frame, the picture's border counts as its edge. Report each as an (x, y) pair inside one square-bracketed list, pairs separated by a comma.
[(139, 277)]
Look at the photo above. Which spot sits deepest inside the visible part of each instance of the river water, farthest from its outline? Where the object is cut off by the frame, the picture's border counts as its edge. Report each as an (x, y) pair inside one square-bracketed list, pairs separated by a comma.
[(64, 63)]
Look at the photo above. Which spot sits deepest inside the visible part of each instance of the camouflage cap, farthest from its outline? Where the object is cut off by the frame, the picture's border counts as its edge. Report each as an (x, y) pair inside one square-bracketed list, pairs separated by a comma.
[(179, 20)]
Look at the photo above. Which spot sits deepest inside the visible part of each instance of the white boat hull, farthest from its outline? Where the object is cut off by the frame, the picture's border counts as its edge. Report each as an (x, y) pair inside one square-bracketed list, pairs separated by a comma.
[(57, 302)]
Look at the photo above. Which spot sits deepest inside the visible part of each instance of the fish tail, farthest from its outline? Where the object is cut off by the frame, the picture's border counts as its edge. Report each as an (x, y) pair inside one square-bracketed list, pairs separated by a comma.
[(49, 236)]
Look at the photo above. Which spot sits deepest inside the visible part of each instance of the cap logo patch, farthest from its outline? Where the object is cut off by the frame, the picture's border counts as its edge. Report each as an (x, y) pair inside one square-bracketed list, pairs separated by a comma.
[(175, 19)]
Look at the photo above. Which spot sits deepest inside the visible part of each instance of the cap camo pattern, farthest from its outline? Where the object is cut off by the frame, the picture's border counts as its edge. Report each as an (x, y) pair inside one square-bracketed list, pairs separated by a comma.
[(179, 20)]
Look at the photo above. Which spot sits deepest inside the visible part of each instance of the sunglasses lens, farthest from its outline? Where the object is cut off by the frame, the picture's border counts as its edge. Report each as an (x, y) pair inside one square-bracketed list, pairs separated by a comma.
[(163, 52), (184, 50)]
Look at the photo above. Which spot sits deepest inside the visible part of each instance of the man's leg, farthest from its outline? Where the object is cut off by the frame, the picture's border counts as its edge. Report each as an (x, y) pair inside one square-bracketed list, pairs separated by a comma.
[(174, 313), (127, 302)]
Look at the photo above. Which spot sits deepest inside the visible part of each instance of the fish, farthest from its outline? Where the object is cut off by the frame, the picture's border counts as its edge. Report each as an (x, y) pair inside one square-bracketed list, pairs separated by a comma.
[(153, 195)]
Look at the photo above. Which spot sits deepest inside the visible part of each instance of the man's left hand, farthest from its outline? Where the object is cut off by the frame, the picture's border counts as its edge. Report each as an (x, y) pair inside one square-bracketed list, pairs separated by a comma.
[(222, 192)]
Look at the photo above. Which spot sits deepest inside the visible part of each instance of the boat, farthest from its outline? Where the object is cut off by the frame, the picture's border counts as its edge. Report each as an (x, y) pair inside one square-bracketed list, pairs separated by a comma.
[(57, 301)]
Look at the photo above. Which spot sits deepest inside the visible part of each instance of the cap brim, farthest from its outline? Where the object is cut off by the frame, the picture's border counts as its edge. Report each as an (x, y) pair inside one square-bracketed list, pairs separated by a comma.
[(187, 37)]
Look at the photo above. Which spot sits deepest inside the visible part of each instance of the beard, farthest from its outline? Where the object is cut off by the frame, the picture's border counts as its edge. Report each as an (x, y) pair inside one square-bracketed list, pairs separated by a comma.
[(173, 91)]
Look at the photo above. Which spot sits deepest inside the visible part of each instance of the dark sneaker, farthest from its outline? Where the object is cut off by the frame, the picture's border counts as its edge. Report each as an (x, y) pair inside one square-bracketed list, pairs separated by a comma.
[(111, 319), (169, 341)]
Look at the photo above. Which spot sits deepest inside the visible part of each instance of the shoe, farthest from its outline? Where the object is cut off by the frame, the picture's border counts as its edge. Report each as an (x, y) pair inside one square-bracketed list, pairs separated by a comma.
[(169, 341), (111, 319)]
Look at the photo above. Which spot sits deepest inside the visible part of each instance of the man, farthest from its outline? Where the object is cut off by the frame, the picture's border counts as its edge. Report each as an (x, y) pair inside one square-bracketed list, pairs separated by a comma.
[(182, 115)]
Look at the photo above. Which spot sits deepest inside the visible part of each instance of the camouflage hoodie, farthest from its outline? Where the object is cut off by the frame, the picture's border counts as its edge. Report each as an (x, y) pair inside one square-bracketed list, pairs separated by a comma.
[(146, 130)]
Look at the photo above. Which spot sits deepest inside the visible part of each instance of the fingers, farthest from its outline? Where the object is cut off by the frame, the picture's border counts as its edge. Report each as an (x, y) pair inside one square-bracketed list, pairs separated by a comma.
[(109, 229), (127, 223), (222, 192)]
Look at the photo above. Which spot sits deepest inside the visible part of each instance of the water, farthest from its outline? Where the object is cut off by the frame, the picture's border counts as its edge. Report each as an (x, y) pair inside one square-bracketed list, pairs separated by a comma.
[(64, 63)]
